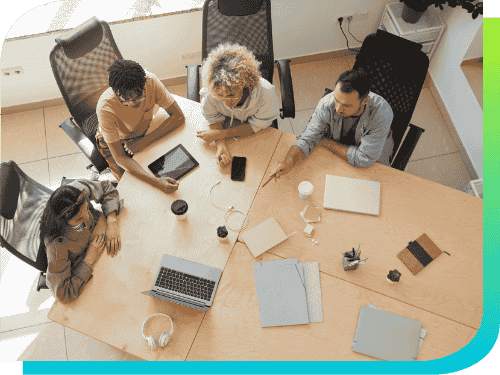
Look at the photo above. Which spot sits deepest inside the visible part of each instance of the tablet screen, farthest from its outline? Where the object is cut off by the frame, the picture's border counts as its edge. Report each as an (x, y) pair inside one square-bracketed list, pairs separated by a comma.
[(174, 164)]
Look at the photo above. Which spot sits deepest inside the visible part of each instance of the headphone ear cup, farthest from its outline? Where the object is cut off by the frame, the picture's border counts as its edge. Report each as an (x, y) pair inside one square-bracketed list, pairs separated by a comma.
[(164, 339), (151, 342)]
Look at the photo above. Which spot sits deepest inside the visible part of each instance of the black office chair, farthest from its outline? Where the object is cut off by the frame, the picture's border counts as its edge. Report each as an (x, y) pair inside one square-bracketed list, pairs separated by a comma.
[(248, 23), (397, 68), (80, 62), (22, 201)]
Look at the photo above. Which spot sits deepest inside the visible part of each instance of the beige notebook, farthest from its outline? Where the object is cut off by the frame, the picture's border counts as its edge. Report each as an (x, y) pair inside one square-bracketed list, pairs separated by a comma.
[(264, 236)]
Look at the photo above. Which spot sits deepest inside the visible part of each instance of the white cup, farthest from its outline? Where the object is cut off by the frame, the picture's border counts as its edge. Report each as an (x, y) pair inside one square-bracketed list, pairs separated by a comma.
[(305, 189)]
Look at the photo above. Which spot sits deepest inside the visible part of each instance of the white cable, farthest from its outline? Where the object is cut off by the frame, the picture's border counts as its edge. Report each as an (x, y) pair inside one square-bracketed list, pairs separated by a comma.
[(228, 213)]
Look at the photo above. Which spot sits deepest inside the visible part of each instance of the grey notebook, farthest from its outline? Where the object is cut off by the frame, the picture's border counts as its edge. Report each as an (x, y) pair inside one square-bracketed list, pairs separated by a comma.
[(386, 336), (281, 293)]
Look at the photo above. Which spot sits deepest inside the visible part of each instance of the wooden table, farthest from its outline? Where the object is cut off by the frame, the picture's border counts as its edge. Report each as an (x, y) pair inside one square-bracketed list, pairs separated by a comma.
[(231, 328), (451, 286), (111, 308)]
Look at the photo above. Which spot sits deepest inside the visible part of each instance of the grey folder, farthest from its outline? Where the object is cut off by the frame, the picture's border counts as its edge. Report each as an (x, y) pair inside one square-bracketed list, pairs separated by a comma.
[(386, 336), (281, 293)]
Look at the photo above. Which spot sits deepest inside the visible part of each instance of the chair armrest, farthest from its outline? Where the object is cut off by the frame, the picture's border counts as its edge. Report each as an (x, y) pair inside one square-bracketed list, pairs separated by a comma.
[(84, 144), (193, 82), (407, 147), (286, 87)]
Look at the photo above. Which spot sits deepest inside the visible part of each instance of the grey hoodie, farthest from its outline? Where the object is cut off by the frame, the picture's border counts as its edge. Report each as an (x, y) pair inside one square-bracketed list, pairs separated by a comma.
[(260, 109)]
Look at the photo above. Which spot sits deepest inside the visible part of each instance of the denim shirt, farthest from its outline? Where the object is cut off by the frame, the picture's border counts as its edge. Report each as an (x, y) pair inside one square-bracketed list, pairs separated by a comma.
[(67, 272), (372, 131)]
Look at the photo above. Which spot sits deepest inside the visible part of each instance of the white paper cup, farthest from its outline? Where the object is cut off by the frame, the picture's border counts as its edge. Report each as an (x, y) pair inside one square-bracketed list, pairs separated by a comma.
[(305, 189)]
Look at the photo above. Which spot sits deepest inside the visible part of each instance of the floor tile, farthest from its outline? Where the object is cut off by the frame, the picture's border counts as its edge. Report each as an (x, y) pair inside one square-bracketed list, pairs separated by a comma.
[(301, 120), (58, 143), (69, 166), (474, 75), (43, 342), (311, 79), (448, 170), (26, 306), (436, 140), (37, 170), (83, 348), (23, 137), (180, 90), (284, 125)]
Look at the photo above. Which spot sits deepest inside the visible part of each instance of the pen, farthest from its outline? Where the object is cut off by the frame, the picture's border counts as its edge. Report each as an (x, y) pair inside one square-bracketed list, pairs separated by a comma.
[(270, 178)]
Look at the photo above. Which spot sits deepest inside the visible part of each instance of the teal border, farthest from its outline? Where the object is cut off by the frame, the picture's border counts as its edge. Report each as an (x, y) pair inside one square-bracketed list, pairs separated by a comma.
[(477, 349)]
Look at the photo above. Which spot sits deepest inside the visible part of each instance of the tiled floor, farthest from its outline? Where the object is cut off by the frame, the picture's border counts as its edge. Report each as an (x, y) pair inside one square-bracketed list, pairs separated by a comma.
[(34, 140)]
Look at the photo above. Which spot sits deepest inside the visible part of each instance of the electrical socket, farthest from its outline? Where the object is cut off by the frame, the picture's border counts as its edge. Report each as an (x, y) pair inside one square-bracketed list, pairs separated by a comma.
[(344, 16), (8, 72), (361, 16)]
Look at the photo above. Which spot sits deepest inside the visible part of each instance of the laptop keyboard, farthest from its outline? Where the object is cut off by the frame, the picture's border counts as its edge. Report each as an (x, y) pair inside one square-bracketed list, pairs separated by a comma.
[(184, 283)]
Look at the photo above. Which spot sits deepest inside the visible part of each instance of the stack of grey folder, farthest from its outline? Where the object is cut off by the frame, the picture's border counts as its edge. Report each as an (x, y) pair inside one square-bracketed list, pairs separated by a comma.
[(387, 336), (288, 292)]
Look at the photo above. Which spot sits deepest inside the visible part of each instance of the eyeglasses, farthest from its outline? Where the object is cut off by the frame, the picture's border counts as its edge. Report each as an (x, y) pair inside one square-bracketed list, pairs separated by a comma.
[(236, 95), (131, 101)]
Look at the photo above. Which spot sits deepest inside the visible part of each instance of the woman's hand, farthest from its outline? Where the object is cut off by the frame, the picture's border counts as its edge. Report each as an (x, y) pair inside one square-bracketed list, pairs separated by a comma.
[(95, 249), (223, 156), (209, 135), (113, 239)]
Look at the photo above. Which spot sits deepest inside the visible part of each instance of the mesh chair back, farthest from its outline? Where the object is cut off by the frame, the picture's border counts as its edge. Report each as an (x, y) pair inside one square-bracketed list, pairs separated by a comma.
[(247, 23), (82, 79), (397, 74), (21, 234)]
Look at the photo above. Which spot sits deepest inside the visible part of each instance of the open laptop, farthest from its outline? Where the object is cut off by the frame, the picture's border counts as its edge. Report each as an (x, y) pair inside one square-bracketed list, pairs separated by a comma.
[(185, 283), (352, 195)]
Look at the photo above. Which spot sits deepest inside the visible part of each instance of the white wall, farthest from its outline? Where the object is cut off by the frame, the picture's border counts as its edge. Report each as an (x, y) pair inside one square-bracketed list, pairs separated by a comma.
[(453, 88), (300, 27), (476, 48)]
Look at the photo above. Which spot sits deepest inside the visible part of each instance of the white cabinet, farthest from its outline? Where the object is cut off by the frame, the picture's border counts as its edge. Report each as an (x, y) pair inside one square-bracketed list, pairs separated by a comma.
[(427, 31)]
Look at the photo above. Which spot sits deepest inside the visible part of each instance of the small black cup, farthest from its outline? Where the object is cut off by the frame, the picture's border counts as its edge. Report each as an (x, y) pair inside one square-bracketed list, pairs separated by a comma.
[(179, 209)]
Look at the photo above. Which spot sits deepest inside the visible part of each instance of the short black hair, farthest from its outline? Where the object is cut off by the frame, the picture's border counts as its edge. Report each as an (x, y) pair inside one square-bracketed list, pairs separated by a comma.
[(355, 80), (126, 75)]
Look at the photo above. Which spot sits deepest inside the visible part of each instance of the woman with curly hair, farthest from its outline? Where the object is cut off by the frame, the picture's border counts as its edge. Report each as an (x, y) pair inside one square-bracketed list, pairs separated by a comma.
[(236, 100), (75, 234)]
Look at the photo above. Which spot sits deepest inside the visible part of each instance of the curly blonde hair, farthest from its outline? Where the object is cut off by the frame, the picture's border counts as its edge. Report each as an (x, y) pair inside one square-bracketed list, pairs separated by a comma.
[(230, 68)]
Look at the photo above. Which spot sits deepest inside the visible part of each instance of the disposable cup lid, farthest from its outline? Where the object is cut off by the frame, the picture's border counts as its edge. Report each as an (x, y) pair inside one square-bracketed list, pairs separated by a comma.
[(305, 187), (179, 207)]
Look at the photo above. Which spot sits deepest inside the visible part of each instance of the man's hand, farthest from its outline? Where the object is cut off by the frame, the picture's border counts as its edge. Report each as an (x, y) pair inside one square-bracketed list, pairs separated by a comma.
[(281, 169), (113, 239), (209, 135), (134, 145), (168, 185), (126, 147), (223, 156)]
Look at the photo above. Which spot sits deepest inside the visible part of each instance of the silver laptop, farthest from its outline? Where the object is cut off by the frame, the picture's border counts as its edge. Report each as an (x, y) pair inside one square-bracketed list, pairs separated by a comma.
[(352, 195), (185, 283)]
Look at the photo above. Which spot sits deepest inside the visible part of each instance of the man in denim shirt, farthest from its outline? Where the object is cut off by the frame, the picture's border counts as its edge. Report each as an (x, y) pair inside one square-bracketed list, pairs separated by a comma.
[(352, 122)]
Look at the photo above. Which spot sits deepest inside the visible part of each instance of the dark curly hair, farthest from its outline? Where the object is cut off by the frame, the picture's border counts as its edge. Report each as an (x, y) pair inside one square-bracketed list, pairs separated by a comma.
[(51, 225), (126, 75), (355, 80)]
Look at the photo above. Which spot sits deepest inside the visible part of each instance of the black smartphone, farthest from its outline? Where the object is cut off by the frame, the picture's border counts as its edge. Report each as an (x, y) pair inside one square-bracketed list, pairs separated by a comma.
[(238, 167)]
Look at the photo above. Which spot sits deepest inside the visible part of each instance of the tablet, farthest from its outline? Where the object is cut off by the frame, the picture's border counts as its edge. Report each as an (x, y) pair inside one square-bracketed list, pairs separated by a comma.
[(174, 164)]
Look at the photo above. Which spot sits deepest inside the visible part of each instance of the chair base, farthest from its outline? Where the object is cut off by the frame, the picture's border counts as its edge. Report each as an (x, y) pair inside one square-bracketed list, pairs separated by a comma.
[(42, 282)]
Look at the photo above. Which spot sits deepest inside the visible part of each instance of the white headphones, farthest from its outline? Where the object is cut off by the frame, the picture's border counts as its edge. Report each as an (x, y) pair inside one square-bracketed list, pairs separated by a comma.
[(164, 338)]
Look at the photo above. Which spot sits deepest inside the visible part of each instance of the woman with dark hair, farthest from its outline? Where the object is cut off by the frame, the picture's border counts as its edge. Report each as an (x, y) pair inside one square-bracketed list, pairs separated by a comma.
[(75, 234)]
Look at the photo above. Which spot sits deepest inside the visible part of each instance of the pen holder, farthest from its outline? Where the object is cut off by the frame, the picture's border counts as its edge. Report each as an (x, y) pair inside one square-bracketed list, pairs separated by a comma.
[(345, 260)]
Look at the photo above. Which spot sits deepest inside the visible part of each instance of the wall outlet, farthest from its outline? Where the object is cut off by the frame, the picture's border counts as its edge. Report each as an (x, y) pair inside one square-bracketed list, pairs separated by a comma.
[(344, 21), (8, 72), (361, 16)]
